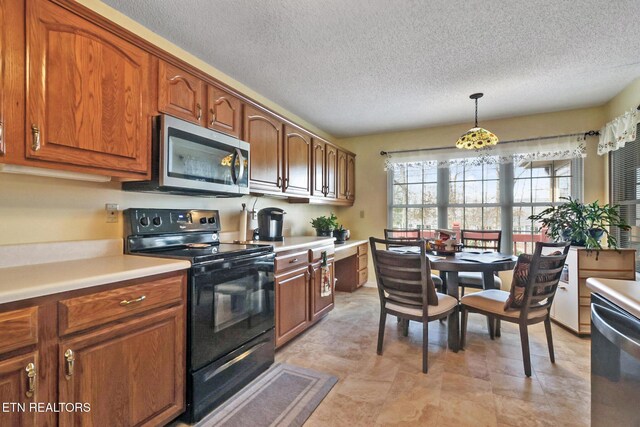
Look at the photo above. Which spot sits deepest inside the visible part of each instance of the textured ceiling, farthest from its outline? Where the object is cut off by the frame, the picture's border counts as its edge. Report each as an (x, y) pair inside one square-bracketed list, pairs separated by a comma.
[(354, 67)]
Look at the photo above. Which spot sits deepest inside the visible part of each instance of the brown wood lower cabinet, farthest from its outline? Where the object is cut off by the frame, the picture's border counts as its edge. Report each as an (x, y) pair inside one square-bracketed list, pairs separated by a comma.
[(298, 282), (131, 373), (19, 386), (351, 268), (320, 305), (123, 363), (292, 294)]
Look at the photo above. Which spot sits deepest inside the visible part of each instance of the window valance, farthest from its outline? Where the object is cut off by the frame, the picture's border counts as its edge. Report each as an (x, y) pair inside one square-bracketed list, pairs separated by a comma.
[(615, 134), (529, 150)]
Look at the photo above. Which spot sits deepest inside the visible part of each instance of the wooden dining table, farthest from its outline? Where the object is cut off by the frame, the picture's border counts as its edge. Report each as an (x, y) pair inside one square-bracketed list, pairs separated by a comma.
[(450, 265)]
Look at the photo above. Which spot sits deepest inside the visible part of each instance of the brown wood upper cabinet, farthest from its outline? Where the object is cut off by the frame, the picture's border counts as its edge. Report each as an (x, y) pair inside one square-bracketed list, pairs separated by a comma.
[(331, 168), (180, 94), (341, 175), (264, 133), (297, 162), (318, 168), (88, 94), (224, 112), (323, 169), (351, 177)]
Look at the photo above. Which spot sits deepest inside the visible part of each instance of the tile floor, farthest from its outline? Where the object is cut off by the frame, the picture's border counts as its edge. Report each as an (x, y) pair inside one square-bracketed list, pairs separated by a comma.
[(484, 385)]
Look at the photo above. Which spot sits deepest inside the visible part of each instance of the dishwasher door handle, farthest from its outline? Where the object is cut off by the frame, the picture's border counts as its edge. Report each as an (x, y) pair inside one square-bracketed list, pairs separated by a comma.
[(602, 317)]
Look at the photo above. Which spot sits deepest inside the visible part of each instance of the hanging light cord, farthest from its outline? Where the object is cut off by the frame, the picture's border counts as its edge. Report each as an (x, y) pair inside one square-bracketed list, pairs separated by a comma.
[(476, 113)]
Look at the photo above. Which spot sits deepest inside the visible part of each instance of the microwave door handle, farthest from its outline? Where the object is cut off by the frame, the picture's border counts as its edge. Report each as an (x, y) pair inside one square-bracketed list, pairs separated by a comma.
[(237, 155)]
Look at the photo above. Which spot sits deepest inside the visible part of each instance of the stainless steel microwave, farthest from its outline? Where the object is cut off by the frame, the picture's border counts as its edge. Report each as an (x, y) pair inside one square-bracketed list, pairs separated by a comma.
[(189, 159)]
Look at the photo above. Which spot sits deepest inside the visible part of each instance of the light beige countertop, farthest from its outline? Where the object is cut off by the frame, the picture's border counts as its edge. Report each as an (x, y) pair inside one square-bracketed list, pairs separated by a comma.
[(623, 293), (349, 244), (296, 242), (36, 280)]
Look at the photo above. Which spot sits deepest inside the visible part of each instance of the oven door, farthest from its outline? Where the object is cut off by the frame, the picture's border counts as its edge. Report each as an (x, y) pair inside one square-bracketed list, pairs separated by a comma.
[(615, 365), (198, 158), (231, 302)]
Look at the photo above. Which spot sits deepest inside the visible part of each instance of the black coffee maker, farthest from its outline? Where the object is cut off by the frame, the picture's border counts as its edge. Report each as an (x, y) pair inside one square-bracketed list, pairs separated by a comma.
[(270, 222)]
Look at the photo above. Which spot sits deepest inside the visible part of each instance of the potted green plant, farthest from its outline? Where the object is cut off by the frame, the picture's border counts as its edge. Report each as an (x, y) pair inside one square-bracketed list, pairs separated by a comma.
[(325, 225), (582, 224), (341, 234)]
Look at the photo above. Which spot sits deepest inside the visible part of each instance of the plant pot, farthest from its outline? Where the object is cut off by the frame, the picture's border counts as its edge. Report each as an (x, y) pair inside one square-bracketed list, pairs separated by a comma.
[(340, 235), (323, 233), (596, 233)]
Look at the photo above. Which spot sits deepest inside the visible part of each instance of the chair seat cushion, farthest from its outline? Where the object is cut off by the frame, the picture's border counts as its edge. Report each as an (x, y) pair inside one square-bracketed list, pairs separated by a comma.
[(445, 303), (492, 301), (475, 279)]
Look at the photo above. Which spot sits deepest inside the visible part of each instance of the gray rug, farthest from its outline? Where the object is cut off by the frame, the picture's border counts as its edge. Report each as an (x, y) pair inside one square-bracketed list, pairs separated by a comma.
[(285, 395)]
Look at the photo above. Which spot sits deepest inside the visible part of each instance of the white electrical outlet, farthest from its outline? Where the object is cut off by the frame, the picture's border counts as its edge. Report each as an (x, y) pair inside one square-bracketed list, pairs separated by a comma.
[(112, 212)]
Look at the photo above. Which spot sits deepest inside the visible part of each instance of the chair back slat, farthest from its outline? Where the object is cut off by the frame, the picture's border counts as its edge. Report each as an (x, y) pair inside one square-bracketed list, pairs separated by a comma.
[(544, 276), (481, 239), (404, 279), (400, 236)]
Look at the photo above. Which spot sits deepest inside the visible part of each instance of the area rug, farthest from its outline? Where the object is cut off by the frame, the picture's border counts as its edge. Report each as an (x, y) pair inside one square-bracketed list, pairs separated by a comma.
[(285, 395)]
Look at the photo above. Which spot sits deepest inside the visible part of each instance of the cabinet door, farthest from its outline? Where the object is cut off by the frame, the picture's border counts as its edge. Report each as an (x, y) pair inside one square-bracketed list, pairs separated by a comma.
[(318, 168), (351, 177), (292, 305), (341, 179), (18, 390), (130, 374), (264, 133), (180, 94), (321, 305), (297, 162), (88, 94), (331, 166), (224, 112)]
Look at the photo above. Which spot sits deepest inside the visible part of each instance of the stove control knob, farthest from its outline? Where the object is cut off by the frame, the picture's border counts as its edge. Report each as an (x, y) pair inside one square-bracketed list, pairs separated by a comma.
[(144, 221), (212, 220), (157, 221), (203, 220)]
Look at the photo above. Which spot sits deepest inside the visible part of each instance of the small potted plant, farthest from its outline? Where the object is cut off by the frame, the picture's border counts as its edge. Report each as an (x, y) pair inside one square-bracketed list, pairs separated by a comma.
[(582, 224), (325, 225), (341, 234)]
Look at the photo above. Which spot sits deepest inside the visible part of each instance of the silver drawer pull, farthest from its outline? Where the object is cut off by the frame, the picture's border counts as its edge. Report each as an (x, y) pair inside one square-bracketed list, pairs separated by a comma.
[(293, 260), (132, 301)]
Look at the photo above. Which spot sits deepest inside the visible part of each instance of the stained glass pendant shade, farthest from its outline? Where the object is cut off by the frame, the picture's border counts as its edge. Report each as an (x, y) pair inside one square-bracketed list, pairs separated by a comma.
[(476, 137)]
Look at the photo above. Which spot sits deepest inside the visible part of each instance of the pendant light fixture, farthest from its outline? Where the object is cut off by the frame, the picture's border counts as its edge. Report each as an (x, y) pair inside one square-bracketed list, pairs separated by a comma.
[(476, 137)]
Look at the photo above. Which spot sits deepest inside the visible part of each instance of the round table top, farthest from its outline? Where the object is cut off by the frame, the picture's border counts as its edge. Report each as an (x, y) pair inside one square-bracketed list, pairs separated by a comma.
[(474, 262)]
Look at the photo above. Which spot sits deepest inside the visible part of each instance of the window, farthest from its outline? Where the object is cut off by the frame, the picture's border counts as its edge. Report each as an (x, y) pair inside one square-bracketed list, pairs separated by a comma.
[(625, 191), (486, 196)]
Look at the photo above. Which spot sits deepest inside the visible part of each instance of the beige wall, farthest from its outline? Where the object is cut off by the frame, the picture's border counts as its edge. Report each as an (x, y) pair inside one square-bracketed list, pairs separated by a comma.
[(37, 209), (627, 99)]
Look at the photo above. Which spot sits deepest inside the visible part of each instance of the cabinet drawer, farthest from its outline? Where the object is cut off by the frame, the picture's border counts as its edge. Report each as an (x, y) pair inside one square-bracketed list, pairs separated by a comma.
[(363, 249), (362, 261), (363, 275), (291, 260), (18, 328), (80, 313), (316, 253), (605, 260)]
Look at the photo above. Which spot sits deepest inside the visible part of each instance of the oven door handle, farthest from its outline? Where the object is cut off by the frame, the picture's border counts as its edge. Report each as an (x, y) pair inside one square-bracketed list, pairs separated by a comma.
[(599, 317), (237, 155)]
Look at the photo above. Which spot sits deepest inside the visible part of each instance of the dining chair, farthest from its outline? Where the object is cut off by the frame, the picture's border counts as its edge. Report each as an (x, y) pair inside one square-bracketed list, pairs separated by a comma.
[(406, 290), (397, 237), (535, 297), (484, 241)]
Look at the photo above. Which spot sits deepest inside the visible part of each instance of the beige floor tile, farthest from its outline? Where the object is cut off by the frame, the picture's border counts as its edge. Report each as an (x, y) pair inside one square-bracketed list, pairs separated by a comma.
[(484, 385)]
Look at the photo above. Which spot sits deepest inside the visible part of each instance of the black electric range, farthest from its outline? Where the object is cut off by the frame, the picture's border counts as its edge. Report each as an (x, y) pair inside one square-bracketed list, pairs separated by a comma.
[(230, 317)]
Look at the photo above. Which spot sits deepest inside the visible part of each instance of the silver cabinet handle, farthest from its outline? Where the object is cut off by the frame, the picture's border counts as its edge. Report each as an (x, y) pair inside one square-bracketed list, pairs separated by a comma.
[(199, 113)]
